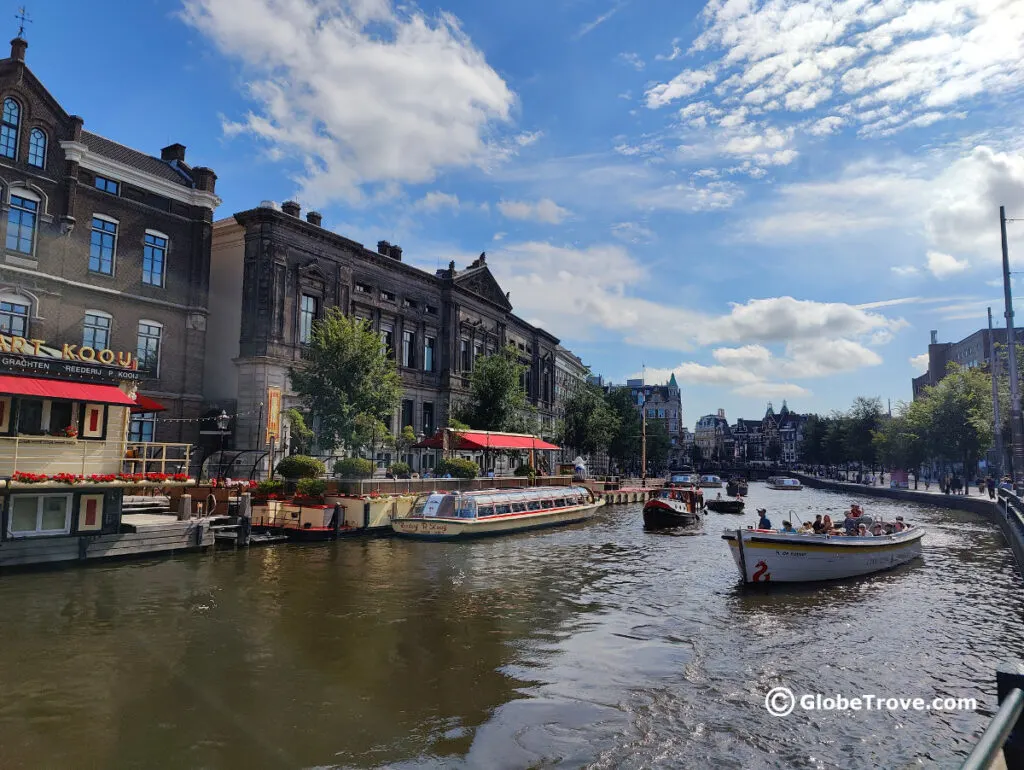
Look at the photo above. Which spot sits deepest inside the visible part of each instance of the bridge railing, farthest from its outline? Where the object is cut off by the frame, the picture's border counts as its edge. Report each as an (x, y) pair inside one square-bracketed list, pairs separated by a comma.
[(1002, 744)]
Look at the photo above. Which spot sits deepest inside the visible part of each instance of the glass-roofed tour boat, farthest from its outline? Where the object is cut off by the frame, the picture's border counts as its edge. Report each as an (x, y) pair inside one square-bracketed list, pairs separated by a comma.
[(456, 515)]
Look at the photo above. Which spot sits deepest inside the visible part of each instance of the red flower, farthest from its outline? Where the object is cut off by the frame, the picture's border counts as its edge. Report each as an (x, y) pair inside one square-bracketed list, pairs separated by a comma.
[(102, 478), (67, 478), (29, 478)]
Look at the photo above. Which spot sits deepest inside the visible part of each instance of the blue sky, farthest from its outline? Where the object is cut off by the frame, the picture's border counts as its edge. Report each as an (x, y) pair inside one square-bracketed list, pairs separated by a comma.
[(772, 200)]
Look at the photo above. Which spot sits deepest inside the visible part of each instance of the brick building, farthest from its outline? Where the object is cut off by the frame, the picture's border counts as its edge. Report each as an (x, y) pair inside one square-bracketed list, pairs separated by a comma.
[(274, 273), (975, 350), (106, 248)]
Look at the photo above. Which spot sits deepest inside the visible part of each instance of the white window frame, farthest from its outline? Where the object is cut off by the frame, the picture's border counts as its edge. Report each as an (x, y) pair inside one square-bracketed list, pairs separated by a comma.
[(141, 417), (163, 267), (102, 314), (46, 146), (20, 299), (17, 126), (117, 236), (68, 499), (159, 344), (27, 194)]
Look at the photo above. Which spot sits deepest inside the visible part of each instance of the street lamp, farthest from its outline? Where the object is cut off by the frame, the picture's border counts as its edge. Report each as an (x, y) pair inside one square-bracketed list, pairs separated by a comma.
[(420, 437), (223, 421)]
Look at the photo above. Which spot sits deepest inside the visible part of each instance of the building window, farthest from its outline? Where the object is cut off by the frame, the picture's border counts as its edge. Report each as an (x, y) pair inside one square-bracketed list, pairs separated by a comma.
[(107, 185), (21, 224), (307, 315), (148, 348), (13, 318), (429, 343), (410, 303), (9, 129), (430, 310), (387, 296), (96, 330), (387, 341), (37, 148), (407, 407), (40, 515), (464, 355), (428, 418), (362, 288), (408, 349), (154, 253), (143, 426), (102, 245)]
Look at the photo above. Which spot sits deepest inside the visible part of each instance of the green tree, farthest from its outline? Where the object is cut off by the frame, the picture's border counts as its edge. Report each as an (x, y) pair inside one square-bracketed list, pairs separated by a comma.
[(774, 450), (863, 421), (348, 383), (899, 443), (405, 440), (835, 439), (812, 446), (954, 417), (301, 433), (589, 424), (624, 446), (696, 454), (497, 400), (659, 444)]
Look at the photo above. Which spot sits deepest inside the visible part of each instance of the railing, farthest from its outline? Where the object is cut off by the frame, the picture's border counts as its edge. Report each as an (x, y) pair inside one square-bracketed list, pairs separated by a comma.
[(52, 455), (154, 457), (397, 486), (1002, 734)]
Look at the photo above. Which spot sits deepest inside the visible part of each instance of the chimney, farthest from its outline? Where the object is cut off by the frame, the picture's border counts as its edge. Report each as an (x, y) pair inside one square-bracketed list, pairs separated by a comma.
[(173, 152), (18, 47), (204, 178), (383, 247), (315, 218), (76, 128), (291, 208), (396, 253)]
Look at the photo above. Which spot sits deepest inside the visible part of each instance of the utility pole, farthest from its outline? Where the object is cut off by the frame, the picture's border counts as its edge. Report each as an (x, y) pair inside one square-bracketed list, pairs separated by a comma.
[(643, 442), (1017, 450), (994, 371)]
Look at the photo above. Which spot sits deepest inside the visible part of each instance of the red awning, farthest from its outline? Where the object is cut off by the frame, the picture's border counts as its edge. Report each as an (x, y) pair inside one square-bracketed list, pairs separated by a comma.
[(477, 440), (146, 404), (70, 391)]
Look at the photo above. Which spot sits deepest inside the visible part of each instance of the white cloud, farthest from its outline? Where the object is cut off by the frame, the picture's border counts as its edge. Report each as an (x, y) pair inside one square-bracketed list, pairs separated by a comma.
[(904, 270), (633, 60), (359, 92), (943, 265), (771, 390), (544, 210), (590, 26), (633, 232), (826, 126), (686, 83), (499, 236), (435, 201), (920, 363)]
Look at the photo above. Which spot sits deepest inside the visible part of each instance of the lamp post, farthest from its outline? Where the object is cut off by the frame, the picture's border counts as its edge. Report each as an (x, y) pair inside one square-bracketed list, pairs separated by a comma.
[(223, 421), (420, 437)]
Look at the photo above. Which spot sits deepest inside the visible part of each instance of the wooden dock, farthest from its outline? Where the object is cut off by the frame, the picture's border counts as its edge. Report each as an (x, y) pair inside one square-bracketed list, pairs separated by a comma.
[(627, 495), (142, 534)]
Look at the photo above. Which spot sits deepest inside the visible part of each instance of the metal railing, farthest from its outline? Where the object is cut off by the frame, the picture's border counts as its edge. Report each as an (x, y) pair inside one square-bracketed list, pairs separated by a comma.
[(399, 486), (52, 455), (1002, 745)]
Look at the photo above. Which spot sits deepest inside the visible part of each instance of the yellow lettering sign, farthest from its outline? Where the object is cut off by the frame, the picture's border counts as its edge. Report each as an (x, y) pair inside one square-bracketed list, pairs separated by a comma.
[(85, 353), (106, 356), (68, 353)]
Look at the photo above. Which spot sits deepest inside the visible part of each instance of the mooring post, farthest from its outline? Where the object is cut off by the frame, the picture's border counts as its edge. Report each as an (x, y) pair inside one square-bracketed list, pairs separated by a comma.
[(244, 519), (185, 508), (336, 520)]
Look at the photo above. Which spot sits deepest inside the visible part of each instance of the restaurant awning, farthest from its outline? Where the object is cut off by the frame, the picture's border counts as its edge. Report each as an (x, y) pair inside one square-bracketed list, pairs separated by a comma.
[(146, 404), (481, 440), (70, 391)]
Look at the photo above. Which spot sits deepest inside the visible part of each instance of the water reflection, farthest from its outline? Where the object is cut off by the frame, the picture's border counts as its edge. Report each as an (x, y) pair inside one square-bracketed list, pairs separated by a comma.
[(598, 645)]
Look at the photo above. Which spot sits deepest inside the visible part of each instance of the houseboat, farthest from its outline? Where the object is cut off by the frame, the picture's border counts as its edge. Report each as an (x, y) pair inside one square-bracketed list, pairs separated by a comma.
[(767, 556), (710, 481), (458, 515), (784, 483), (673, 508)]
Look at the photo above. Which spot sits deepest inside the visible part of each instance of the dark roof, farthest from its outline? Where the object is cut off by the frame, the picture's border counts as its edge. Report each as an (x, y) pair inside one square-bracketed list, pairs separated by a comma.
[(126, 155)]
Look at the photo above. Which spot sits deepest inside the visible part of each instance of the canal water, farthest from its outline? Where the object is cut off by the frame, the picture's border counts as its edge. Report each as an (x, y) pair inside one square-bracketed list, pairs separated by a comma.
[(598, 645)]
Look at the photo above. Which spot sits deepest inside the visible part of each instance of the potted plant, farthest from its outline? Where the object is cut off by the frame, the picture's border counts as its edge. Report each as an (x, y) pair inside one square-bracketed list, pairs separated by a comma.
[(310, 491), (353, 468)]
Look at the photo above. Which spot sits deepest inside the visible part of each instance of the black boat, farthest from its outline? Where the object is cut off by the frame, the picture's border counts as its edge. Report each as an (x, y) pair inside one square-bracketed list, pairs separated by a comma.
[(725, 506), (673, 508), (736, 487)]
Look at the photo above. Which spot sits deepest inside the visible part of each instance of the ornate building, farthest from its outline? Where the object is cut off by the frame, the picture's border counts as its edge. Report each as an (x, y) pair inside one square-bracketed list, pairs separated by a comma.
[(714, 437), (274, 274), (662, 402), (755, 439), (106, 248), (571, 374)]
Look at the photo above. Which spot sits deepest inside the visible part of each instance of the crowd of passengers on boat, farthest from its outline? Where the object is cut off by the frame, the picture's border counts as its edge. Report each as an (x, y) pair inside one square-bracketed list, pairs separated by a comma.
[(479, 505), (855, 524)]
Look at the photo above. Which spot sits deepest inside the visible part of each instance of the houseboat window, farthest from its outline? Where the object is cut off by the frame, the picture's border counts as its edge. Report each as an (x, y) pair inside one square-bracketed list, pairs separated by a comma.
[(503, 508), (437, 505), (533, 505), (30, 416), (485, 510), (60, 417), (467, 509), (560, 502), (518, 507), (40, 515), (548, 503)]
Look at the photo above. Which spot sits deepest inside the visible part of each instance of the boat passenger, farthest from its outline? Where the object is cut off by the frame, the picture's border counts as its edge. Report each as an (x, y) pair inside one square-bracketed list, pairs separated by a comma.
[(818, 526), (862, 531), (828, 525), (787, 527), (876, 530), (850, 523), (807, 528), (900, 526), (763, 521)]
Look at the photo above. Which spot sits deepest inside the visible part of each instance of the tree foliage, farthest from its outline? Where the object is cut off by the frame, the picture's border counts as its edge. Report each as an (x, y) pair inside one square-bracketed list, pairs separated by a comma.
[(954, 417), (774, 450), (590, 423), (497, 400), (659, 444), (624, 446), (348, 382), (301, 433)]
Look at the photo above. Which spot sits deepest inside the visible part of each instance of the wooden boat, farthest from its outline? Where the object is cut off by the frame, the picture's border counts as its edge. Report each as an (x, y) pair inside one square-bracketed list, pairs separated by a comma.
[(784, 483), (764, 555), (736, 487), (673, 508), (725, 506), (710, 481), (457, 515)]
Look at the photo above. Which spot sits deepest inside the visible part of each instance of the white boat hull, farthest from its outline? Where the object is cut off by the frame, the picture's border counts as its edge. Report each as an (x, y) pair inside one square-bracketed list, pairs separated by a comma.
[(711, 485), (768, 557), (438, 528), (787, 487)]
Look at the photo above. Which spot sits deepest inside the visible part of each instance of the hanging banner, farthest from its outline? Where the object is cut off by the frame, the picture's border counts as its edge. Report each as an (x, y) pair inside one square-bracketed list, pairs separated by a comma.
[(273, 414)]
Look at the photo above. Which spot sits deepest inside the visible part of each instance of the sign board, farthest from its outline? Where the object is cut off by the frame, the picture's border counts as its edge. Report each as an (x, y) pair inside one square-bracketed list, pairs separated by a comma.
[(273, 414), (20, 355)]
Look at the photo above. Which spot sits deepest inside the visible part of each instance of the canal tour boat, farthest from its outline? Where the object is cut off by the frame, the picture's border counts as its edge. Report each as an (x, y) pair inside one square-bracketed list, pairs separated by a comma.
[(673, 508), (784, 483), (683, 479), (725, 506), (736, 487), (764, 555), (458, 515), (711, 481)]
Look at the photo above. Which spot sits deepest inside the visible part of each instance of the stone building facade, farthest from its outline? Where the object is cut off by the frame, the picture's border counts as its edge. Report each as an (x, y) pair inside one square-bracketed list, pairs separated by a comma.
[(975, 350), (754, 438), (713, 436), (663, 402), (274, 273), (106, 247)]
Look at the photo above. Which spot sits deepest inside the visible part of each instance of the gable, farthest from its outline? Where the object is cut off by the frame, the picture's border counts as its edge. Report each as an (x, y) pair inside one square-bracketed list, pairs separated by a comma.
[(479, 281)]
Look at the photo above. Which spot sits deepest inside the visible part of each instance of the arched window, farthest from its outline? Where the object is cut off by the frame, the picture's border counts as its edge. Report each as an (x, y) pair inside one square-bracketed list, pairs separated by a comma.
[(37, 148), (21, 220), (14, 314), (9, 128)]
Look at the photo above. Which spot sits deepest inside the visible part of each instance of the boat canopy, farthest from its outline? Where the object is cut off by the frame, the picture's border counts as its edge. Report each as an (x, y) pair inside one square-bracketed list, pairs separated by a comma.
[(710, 477), (787, 482), (497, 502)]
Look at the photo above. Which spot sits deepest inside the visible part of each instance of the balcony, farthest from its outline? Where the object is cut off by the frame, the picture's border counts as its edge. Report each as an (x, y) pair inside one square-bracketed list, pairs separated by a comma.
[(51, 455)]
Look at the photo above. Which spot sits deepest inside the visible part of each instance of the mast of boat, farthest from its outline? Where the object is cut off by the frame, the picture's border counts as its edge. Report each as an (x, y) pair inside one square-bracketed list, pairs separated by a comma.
[(643, 428)]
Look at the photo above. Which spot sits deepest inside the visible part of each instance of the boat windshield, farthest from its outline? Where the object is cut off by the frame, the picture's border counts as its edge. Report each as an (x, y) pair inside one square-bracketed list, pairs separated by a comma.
[(436, 504)]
